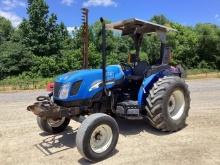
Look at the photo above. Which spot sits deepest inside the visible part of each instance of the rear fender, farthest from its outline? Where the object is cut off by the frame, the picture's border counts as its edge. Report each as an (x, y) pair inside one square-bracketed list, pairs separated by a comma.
[(148, 83), (146, 86)]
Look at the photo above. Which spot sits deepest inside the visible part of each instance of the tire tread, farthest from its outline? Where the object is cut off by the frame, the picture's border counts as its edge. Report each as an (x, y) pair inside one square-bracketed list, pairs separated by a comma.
[(154, 103)]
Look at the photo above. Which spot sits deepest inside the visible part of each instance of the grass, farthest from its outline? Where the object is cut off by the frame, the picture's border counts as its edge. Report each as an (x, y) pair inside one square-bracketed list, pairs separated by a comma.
[(16, 83), (202, 73), (27, 83)]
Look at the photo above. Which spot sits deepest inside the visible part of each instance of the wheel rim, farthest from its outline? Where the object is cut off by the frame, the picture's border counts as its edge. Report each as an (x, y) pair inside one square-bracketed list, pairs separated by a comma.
[(101, 138), (56, 123), (176, 104)]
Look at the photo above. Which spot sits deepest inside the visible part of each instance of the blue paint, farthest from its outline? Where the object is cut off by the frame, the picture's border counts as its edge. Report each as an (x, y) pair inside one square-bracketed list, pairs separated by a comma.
[(89, 77), (92, 78), (148, 83), (145, 87)]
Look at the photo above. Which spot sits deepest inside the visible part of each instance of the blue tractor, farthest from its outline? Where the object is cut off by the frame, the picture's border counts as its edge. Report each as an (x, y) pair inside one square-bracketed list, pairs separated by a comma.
[(156, 93)]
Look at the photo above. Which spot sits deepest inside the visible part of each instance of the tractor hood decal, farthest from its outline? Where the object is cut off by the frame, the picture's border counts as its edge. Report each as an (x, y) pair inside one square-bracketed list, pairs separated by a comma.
[(98, 84)]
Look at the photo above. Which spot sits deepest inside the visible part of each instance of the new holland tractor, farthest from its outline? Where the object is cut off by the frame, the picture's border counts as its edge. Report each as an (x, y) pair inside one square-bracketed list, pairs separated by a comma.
[(136, 91)]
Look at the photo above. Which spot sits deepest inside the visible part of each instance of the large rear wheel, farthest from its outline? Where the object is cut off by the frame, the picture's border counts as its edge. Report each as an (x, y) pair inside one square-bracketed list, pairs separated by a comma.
[(168, 104)]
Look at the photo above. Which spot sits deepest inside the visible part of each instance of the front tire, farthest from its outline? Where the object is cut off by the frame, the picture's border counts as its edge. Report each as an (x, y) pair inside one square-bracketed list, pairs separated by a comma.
[(97, 137), (51, 125), (168, 104)]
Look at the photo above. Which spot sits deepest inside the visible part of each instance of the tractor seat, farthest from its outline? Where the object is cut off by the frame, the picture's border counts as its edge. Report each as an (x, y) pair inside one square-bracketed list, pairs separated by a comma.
[(139, 71)]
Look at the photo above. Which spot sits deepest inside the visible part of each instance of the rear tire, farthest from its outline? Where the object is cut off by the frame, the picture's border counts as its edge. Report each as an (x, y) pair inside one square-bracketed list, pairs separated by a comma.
[(52, 126), (168, 104), (97, 137)]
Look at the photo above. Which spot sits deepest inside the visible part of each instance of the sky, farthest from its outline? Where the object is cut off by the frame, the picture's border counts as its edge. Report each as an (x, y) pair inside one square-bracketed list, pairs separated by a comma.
[(186, 12)]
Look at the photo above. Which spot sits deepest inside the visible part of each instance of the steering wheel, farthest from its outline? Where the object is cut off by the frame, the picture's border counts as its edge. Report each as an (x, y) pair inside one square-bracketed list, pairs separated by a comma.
[(125, 66)]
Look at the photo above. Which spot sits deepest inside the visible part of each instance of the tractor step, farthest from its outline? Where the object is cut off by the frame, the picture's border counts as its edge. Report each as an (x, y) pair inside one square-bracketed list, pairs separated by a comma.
[(128, 109)]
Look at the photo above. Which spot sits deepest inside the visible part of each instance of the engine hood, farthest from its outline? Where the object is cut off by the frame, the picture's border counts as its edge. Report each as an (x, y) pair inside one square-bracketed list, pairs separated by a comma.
[(112, 72), (90, 78), (77, 75)]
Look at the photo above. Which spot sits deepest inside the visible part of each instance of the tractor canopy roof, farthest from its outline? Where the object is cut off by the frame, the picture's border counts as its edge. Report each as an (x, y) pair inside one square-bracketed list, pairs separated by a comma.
[(134, 25)]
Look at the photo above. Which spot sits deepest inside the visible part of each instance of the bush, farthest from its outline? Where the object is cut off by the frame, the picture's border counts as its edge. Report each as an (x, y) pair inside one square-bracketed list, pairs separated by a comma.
[(47, 67), (15, 59)]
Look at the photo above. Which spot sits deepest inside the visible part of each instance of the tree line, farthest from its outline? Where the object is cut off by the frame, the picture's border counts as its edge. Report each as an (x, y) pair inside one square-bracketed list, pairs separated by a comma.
[(42, 47)]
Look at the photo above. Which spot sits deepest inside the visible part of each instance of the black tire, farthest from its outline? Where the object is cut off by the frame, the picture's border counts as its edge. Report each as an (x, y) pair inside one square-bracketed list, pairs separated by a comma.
[(86, 130), (157, 104), (44, 125)]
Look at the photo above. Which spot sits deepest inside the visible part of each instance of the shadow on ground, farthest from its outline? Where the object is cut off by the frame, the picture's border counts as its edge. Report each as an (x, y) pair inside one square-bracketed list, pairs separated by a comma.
[(53, 144), (86, 162), (134, 127)]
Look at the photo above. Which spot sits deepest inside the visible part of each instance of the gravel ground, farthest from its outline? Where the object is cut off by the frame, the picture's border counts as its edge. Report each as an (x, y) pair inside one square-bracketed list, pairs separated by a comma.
[(22, 142)]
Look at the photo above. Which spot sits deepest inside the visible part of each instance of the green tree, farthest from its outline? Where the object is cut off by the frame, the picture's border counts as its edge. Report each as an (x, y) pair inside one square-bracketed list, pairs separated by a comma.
[(209, 45), (151, 48), (40, 32), (35, 34), (15, 59), (6, 29), (160, 19), (97, 39), (184, 44)]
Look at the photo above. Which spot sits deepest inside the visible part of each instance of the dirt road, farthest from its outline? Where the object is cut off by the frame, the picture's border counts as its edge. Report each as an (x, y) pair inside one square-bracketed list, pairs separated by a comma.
[(22, 142)]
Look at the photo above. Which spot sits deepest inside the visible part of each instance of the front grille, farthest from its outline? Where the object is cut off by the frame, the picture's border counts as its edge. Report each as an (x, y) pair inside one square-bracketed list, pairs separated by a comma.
[(75, 88), (56, 89)]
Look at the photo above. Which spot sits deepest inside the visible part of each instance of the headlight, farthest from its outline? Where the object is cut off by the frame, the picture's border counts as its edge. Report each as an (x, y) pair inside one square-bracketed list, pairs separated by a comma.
[(64, 91)]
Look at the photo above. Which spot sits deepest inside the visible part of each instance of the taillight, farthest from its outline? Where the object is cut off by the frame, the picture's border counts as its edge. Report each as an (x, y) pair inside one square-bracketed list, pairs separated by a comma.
[(50, 87)]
